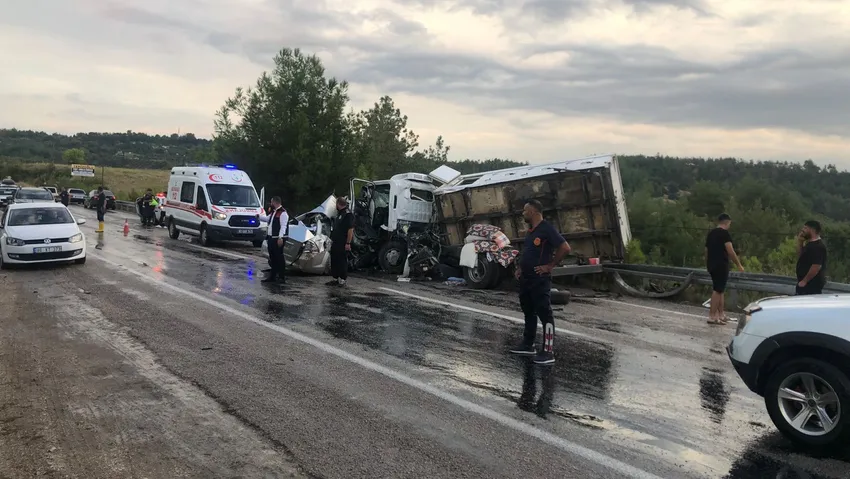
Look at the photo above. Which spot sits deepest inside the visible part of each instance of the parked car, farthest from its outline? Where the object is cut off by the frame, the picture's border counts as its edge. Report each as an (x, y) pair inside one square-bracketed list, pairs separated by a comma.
[(6, 194), (43, 232), (91, 204), (76, 196), (795, 352), (32, 195), (53, 191)]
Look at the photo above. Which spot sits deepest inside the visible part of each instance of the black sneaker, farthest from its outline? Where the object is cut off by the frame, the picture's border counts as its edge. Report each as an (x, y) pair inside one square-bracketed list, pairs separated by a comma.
[(332, 282), (544, 357), (524, 350), (270, 279)]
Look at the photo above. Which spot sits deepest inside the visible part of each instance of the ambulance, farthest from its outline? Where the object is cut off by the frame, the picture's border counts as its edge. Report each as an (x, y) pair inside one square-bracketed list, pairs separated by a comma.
[(213, 203)]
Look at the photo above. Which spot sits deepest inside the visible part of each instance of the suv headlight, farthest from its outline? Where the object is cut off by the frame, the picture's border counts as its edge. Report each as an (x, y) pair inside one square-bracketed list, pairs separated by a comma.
[(14, 241), (76, 238), (220, 216), (747, 317)]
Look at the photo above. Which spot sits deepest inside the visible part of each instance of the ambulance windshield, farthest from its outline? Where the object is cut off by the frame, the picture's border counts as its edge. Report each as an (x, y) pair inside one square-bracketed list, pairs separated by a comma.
[(235, 196)]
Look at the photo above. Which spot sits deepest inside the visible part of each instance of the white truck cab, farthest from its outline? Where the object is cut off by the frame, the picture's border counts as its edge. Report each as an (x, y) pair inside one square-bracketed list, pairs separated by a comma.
[(386, 210), (214, 203)]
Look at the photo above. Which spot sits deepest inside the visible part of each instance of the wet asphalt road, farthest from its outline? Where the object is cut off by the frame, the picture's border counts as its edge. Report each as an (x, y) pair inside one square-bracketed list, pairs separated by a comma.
[(387, 379)]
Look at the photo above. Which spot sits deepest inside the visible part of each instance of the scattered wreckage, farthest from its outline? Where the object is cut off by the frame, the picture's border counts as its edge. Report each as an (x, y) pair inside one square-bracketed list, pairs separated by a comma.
[(445, 224)]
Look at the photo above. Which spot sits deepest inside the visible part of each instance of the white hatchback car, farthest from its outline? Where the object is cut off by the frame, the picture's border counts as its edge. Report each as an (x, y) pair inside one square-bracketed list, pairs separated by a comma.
[(795, 352), (33, 233)]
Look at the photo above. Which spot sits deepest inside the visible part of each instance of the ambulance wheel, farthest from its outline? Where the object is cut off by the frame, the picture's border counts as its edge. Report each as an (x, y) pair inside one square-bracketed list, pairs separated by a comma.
[(204, 237), (173, 232), (257, 243)]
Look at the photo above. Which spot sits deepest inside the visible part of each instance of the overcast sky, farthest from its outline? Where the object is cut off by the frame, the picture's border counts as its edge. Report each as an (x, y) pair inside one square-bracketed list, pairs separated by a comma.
[(531, 80)]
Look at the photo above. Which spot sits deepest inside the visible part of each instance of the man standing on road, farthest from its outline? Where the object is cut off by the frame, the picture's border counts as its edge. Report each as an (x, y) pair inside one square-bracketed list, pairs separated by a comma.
[(544, 248), (718, 252), (811, 260), (64, 198), (341, 237), (100, 201), (278, 222)]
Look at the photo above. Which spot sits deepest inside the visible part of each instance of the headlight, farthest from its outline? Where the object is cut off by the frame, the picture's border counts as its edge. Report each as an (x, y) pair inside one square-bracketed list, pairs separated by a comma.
[(220, 216), (76, 238), (14, 241), (745, 318)]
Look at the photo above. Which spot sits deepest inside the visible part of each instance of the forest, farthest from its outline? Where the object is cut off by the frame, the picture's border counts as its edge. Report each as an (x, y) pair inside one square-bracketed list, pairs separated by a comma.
[(295, 124)]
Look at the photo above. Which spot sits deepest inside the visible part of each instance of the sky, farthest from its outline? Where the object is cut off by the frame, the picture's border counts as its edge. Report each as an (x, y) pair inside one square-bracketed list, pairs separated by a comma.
[(530, 80)]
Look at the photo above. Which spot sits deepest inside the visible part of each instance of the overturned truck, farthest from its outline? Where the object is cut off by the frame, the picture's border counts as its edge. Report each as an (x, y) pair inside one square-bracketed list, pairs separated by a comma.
[(583, 198)]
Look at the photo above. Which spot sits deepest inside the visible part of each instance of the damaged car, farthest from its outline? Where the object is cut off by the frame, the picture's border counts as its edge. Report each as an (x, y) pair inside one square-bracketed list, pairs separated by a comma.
[(307, 248)]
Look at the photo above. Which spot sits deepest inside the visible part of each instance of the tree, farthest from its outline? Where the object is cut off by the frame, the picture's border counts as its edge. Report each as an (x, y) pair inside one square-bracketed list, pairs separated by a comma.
[(707, 199), (291, 130), (383, 140), (74, 156)]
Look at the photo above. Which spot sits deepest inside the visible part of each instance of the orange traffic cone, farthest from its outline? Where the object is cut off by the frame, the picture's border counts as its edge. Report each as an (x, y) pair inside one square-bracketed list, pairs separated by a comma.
[(126, 227)]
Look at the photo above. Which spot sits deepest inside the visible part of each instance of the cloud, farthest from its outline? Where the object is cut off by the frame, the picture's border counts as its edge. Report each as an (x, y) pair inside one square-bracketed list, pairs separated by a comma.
[(670, 76)]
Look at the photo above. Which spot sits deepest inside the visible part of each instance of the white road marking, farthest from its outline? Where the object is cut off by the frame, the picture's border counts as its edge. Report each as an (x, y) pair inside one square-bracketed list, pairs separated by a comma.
[(483, 311), (519, 426), (660, 310), (220, 252)]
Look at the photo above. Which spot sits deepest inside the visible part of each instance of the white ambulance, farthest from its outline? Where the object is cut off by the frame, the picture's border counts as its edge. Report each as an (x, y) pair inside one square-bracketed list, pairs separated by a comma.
[(214, 203)]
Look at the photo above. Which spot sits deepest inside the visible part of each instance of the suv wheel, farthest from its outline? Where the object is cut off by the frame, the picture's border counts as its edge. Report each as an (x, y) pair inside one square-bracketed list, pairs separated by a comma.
[(809, 401)]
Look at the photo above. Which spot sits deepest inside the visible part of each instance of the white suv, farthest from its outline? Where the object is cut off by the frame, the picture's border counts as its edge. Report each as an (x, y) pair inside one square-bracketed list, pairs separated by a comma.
[(795, 352)]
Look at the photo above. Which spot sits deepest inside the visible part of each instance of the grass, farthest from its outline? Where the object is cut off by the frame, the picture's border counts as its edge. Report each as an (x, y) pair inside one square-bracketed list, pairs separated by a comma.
[(126, 183)]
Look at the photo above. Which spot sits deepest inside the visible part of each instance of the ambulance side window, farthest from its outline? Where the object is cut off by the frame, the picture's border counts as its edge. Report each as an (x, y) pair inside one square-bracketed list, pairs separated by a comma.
[(202, 199), (187, 192)]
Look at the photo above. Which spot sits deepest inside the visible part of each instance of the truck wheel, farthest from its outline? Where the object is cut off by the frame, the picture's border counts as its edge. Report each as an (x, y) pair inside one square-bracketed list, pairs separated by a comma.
[(391, 257), (809, 402), (484, 275), (173, 232), (257, 243)]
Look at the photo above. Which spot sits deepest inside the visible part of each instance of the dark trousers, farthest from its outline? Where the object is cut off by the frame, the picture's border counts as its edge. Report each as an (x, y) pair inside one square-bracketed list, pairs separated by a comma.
[(811, 288), (100, 214), (535, 301), (339, 261), (276, 259)]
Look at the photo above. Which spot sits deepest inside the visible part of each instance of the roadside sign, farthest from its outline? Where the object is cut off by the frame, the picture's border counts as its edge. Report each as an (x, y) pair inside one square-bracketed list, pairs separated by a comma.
[(82, 170)]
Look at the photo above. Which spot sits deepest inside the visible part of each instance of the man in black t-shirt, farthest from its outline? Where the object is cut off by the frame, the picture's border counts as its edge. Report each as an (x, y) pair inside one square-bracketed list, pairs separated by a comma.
[(341, 237), (718, 252), (811, 260)]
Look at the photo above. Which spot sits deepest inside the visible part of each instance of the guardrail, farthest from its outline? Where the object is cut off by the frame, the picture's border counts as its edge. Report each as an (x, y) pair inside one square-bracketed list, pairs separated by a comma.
[(758, 282), (127, 206)]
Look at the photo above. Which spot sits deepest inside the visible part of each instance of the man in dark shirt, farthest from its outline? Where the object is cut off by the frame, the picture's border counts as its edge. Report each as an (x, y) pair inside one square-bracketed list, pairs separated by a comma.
[(64, 198), (100, 201), (811, 260), (544, 248), (341, 237), (718, 252)]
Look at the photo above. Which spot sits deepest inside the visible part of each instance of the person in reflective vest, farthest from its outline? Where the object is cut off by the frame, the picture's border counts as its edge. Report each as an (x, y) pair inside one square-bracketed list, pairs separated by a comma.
[(278, 222)]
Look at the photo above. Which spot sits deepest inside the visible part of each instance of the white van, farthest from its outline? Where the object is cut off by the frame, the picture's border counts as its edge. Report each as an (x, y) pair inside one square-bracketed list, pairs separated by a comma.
[(214, 203)]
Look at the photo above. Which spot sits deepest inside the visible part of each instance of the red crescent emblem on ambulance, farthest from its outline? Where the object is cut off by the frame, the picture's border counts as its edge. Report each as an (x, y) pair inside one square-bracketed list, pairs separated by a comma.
[(216, 177)]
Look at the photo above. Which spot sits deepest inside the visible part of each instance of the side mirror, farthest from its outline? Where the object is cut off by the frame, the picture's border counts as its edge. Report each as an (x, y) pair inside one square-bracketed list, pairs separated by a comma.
[(81, 221)]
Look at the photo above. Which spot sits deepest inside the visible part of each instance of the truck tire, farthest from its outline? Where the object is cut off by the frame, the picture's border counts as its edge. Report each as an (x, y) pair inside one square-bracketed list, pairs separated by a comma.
[(391, 257), (484, 275), (203, 236)]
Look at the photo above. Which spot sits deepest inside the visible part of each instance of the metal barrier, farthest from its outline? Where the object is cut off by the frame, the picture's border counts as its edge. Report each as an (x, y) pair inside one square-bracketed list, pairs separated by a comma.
[(759, 282), (127, 206)]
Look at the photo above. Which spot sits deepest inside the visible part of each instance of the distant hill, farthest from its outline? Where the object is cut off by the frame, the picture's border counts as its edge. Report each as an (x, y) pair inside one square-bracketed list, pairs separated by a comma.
[(128, 150)]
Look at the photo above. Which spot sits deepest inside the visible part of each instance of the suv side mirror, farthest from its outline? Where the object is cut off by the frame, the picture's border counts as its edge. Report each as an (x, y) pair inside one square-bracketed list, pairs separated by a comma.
[(81, 221)]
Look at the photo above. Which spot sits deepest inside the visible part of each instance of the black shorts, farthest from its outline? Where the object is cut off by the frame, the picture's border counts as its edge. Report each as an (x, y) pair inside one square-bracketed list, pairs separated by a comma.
[(719, 278)]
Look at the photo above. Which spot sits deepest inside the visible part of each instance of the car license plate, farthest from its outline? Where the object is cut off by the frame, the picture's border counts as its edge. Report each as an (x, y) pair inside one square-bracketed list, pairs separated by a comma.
[(47, 249), (244, 232)]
